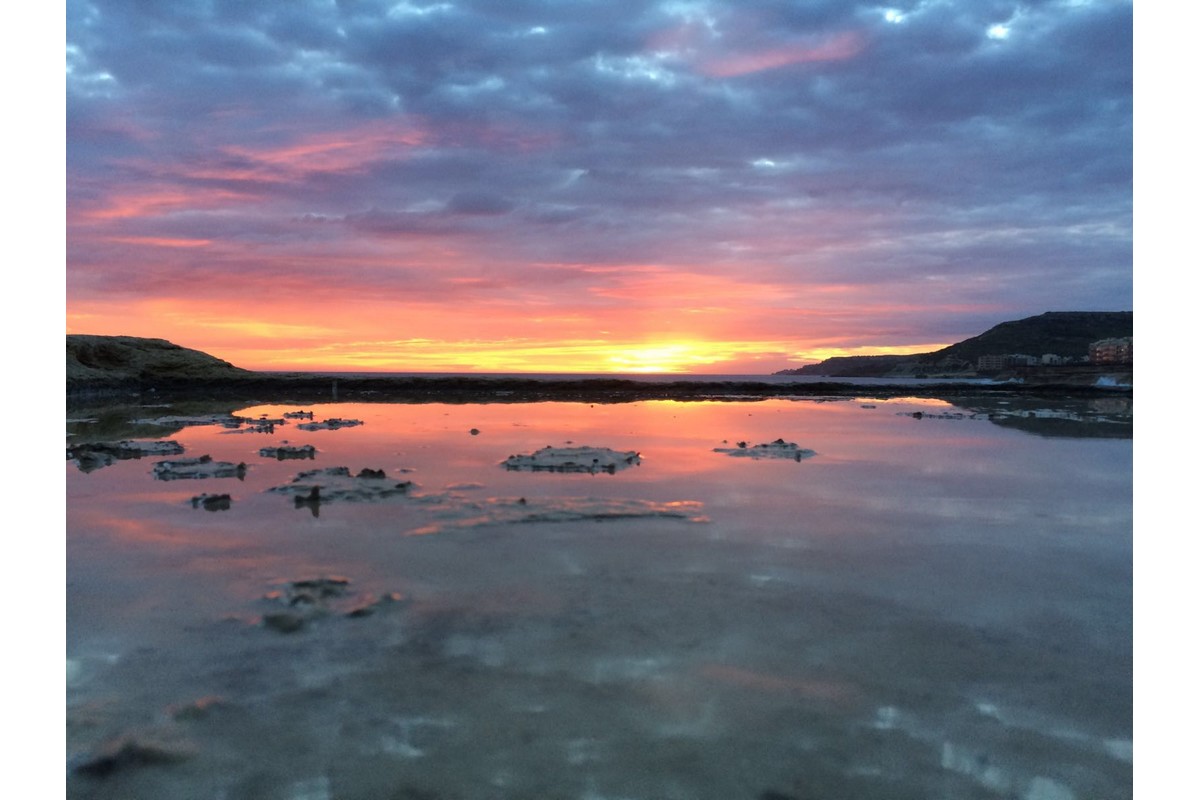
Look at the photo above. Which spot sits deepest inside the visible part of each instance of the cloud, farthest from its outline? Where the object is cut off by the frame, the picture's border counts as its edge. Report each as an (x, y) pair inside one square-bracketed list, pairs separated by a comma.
[(479, 204), (789, 147)]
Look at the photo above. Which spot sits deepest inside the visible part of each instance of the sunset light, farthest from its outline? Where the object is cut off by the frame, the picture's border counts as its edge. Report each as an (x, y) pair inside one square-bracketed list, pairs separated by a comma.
[(705, 399), (678, 187)]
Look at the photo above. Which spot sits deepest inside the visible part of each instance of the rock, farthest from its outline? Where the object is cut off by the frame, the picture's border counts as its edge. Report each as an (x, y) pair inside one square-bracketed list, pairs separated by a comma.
[(285, 452), (134, 750), (503, 511), (474, 431), (212, 502), (197, 709), (312, 501), (370, 605), (573, 459), (938, 415), (330, 424), (259, 426), (99, 360), (776, 449), (313, 591), (310, 599), (94, 455), (283, 621), (336, 484), (224, 420), (88, 461), (196, 468)]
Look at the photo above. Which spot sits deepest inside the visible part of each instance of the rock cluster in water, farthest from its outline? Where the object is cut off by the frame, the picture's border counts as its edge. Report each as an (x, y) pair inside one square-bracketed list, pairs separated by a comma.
[(776, 449), (94, 455), (330, 424), (573, 459), (199, 467), (338, 483), (300, 602), (503, 511), (285, 451), (212, 502)]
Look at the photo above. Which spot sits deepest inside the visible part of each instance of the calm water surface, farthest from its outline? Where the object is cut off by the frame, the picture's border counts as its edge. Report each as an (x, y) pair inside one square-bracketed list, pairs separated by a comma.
[(926, 608)]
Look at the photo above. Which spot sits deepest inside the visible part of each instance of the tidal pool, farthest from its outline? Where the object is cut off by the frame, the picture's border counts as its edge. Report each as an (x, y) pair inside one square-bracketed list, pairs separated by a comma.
[(927, 605)]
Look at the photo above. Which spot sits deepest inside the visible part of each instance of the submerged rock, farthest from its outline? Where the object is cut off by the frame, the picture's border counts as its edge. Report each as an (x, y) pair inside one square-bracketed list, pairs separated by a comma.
[(573, 459), (200, 467), (212, 502), (370, 605), (935, 415), (197, 709), (316, 590), (503, 511), (309, 599), (337, 484), (330, 424), (262, 425), (285, 452), (284, 621), (776, 449), (94, 455), (224, 420), (134, 750), (89, 461)]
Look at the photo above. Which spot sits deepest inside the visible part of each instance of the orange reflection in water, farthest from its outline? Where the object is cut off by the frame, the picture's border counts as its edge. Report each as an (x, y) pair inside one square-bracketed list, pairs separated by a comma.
[(674, 438)]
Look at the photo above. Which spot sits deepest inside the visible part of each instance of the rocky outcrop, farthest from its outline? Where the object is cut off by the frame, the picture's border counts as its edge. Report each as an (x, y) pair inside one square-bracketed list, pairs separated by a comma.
[(98, 361), (197, 468), (789, 451), (285, 452), (573, 459), (212, 502), (330, 424), (331, 484), (299, 603), (521, 511), (94, 455)]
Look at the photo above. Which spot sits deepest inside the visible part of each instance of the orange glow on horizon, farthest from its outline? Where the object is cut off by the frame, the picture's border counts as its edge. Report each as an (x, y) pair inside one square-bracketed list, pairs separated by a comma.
[(634, 319), (274, 347)]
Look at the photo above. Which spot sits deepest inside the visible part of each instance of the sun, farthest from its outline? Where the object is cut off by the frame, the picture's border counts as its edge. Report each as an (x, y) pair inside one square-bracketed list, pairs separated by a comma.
[(677, 357)]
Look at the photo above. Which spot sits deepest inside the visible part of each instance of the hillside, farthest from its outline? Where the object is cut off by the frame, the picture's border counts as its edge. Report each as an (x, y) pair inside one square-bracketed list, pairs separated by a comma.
[(101, 360), (1064, 333)]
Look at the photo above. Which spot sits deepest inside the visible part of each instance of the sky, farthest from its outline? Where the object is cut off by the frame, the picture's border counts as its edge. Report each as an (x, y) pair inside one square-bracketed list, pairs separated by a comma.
[(548, 185)]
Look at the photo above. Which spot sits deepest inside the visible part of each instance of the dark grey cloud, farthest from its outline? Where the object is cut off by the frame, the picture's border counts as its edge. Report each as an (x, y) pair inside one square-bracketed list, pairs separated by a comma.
[(869, 143)]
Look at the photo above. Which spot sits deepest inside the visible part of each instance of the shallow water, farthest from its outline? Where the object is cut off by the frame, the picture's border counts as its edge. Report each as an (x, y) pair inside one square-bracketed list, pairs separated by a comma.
[(926, 608)]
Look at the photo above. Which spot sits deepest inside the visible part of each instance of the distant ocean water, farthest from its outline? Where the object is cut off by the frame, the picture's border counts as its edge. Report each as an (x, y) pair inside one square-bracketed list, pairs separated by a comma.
[(658, 377)]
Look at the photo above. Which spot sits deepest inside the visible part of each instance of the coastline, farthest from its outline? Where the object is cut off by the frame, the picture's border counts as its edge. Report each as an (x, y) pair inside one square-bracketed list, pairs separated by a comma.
[(315, 387)]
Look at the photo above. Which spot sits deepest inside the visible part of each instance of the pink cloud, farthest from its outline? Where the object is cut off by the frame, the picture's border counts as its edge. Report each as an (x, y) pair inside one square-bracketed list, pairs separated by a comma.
[(837, 47)]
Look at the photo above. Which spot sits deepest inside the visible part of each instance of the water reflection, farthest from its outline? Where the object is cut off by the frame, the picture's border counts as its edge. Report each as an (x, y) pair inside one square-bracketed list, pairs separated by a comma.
[(925, 607)]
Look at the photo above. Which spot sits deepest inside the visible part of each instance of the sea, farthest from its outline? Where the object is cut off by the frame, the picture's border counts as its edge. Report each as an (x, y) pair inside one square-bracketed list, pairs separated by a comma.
[(778, 599), (660, 377)]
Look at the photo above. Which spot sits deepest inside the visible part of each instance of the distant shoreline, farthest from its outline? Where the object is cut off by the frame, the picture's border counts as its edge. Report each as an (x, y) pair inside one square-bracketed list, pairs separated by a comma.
[(329, 387)]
